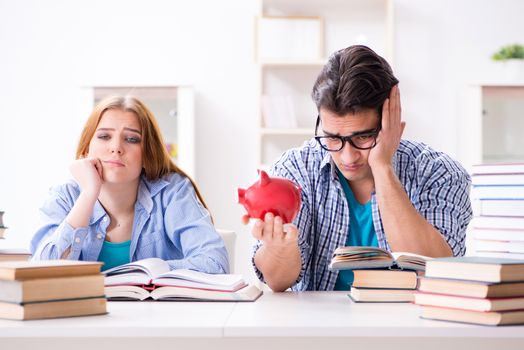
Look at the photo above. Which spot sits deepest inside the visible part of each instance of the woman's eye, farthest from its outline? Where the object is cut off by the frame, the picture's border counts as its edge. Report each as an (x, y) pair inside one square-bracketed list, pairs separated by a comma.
[(133, 139), (103, 136)]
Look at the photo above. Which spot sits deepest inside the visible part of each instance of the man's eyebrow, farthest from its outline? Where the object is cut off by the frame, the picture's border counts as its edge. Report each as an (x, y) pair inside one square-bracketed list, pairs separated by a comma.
[(360, 132), (112, 129)]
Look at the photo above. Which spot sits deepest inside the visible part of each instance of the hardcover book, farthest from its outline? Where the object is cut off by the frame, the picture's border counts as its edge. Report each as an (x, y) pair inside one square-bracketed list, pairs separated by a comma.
[(474, 289), (53, 309), (246, 293), (153, 278), (23, 270), (357, 257), (385, 278), (380, 295), (469, 303), (476, 268), (494, 318), (46, 289)]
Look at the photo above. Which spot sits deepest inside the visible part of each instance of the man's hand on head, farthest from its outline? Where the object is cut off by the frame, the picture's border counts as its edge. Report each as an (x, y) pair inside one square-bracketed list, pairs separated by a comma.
[(390, 134)]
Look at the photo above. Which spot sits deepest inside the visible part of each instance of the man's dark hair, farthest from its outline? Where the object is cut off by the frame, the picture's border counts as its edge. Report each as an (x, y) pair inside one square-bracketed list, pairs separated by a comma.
[(353, 79)]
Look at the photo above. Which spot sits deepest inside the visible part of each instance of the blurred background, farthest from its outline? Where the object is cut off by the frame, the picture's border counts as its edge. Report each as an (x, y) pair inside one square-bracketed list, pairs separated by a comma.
[(230, 80)]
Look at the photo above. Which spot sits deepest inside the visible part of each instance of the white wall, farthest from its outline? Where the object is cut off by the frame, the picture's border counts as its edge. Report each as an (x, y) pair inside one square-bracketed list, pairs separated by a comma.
[(441, 46), (50, 49)]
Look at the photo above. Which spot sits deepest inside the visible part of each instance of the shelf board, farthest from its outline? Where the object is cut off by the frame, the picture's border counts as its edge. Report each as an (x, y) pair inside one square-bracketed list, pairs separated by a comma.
[(292, 63), (289, 131)]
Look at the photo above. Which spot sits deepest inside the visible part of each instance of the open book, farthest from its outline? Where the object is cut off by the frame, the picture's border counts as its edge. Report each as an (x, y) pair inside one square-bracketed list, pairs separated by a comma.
[(153, 278), (373, 257)]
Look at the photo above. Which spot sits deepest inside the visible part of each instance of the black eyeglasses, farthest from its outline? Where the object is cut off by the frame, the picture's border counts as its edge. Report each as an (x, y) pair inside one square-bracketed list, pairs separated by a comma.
[(362, 140)]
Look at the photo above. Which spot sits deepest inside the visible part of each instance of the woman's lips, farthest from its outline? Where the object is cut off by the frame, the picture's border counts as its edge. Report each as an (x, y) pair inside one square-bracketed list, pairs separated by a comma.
[(114, 163)]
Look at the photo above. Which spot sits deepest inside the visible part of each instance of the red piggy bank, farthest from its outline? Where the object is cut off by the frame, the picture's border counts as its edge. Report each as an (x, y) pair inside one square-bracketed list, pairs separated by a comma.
[(271, 195)]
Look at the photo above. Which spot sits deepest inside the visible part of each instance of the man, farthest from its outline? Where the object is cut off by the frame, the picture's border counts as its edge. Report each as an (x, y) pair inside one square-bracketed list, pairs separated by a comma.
[(361, 184)]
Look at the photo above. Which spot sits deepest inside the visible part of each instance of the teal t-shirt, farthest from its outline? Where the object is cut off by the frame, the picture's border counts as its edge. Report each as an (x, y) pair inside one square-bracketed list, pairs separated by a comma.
[(114, 254), (361, 230)]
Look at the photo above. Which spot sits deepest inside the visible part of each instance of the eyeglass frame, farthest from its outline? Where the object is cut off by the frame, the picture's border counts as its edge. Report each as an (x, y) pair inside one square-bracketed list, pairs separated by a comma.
[(348, 138)]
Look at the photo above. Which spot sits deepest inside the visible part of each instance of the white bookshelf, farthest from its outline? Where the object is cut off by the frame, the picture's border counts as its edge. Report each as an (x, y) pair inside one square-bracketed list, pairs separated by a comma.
[(291, 77), (173, 108), (492, 123)]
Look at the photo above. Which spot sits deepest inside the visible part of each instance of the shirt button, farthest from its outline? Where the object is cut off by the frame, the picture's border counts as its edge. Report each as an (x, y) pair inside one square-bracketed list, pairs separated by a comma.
[(77, 239), (104, 219), (99, 236)]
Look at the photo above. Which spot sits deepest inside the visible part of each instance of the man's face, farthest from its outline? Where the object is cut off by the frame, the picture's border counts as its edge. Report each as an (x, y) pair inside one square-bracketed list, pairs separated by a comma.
[(352, 162)]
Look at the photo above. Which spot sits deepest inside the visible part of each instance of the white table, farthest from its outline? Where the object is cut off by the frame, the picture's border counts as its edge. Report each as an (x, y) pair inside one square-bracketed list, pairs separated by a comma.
[(312, 320)]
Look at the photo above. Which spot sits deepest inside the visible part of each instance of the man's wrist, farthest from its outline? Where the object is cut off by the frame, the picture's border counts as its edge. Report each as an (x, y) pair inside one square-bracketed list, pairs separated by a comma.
[(281, 254), (381, 170)]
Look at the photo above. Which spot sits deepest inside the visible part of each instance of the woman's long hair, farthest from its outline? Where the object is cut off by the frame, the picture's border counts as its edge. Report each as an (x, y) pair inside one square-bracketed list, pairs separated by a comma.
[(156, 161)]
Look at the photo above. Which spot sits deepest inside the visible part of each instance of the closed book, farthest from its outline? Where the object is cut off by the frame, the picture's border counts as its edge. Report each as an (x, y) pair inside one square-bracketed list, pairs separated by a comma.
[(499, 179), (11, 254), (22, 270), (122, 292), (53, 309), (476, 268), (498, 246), (499, 207), (508, 234), (513, 256), (380, 295), (475, 289), (368, 278), (498, 222), (495, 318), (498, 168), (45, 289), (469, 303), (361, 257), (497, 192)]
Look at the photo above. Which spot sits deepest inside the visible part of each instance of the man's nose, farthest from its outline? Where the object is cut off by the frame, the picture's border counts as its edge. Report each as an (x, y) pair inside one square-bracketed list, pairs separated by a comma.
[(348, 153)]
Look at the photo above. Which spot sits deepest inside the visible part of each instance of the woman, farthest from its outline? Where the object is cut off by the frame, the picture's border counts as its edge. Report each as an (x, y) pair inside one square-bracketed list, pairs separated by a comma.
[(128, 200)]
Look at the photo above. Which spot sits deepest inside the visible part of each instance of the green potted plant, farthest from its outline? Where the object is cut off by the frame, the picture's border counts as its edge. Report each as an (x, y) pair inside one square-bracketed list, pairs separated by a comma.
[(509, 52), (513, 58)]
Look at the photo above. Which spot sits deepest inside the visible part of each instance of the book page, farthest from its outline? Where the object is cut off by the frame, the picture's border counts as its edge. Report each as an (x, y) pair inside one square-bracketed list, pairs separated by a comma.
[(126, 293), (412, 261), (224, 280), (152, 267)]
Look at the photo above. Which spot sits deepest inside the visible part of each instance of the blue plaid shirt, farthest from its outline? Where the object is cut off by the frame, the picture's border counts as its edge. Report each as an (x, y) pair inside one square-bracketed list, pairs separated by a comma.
[(169, 223), (437, 186)]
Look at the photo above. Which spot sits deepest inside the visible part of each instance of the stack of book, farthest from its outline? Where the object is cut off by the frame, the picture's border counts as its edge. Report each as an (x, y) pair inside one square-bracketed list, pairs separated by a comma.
[(153, 279), (11, 253), (380, 276), (2, 227), (498, 203), (478, 290), (50, 289)]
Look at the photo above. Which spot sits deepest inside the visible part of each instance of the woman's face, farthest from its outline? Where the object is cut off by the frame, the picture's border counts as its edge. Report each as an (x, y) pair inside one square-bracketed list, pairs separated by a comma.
[(117, 142)]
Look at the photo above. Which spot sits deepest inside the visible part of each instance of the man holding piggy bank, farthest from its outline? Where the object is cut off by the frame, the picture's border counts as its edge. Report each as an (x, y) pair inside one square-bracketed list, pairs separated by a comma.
[(361, 184)]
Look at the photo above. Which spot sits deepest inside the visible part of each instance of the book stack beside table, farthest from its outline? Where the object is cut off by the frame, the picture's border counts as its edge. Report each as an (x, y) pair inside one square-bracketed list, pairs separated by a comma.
[(479, 290), (49, 289)]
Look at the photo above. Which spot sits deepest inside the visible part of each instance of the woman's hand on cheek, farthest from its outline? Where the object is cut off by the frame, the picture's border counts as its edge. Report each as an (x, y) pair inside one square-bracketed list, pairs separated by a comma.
[(89, 175)]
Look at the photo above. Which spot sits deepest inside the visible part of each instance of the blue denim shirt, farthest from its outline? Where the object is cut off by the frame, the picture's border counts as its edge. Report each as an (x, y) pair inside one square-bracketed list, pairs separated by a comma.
[(170, 223)]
